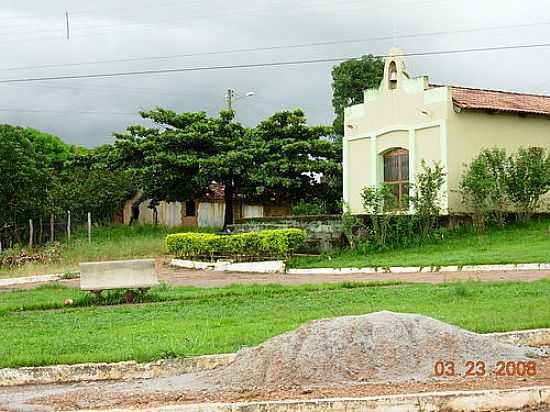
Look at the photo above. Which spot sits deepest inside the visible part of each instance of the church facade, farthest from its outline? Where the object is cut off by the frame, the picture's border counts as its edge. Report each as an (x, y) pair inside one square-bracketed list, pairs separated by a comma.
[(408, 120)]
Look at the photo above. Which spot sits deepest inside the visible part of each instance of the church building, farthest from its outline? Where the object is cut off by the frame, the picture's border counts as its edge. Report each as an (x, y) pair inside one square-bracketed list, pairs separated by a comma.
[(408, 119)]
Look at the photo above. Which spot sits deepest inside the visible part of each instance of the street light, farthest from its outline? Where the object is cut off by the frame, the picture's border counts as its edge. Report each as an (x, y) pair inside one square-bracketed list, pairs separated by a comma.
[(232, 96)]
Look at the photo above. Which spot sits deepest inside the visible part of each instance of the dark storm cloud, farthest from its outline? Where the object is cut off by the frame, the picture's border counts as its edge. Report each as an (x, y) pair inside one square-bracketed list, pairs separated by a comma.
[(33, 31)]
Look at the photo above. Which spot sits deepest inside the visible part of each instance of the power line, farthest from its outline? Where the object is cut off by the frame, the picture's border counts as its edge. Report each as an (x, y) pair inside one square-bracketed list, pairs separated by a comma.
[(199, 6), (277, 47), (343, 7), (261, 65)]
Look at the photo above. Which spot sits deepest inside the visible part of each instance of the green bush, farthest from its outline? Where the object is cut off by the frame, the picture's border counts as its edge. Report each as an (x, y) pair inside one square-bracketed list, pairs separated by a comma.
[(267, 243), (483, 187), (494, 183)]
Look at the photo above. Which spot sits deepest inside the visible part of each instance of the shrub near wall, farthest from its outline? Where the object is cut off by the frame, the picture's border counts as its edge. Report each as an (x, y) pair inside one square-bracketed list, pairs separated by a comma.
[(267, 243)]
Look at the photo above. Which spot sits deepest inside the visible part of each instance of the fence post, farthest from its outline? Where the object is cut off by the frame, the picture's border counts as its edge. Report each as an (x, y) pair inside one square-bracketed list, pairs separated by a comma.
[(31, 233), (68, 225), (89, 227), (52, 228)]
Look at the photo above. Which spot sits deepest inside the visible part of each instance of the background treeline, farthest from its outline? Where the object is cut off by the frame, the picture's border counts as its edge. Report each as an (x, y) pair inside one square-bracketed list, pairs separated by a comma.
[(281, 160), (41, 176)]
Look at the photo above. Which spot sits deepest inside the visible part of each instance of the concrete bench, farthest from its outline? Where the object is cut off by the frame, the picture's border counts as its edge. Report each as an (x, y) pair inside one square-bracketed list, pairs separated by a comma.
[(126, 274)]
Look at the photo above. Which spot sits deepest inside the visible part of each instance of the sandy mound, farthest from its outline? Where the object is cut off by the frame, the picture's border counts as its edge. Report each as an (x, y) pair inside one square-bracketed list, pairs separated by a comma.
[(381, 346)]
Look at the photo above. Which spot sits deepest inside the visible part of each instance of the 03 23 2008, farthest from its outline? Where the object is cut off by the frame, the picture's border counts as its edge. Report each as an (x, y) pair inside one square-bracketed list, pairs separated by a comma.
[(480, 368)]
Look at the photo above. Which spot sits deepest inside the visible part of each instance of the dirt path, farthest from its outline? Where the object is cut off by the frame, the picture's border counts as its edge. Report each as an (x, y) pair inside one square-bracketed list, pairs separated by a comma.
[(183, 277), (211, 279)]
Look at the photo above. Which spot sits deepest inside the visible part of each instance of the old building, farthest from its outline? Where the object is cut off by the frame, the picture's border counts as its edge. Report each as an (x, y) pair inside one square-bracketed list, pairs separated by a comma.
[(205, 211), (407, 120)]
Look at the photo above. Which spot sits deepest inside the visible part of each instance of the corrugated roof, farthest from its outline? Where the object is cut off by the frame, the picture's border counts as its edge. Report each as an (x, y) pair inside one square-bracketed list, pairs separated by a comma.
[(500, 101)]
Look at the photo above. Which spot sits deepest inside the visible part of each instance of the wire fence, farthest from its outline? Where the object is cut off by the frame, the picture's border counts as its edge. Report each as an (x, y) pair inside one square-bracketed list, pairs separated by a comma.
[(41, 230)]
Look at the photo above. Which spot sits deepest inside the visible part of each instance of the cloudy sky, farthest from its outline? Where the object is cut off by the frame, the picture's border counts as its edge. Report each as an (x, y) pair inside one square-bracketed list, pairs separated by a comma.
[(32, 34)]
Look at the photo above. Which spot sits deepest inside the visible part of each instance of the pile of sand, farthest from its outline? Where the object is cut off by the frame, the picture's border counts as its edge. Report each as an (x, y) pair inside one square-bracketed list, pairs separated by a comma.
[(379, 347)]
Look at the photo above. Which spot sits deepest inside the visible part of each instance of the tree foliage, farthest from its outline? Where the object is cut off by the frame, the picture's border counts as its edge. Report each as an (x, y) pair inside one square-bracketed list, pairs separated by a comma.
[(92, 182), (280, 160), (350, 79), (483, 187), (296, 161), (25, 177), (427, 195), (41, 176), (528, 179), (495, 183), (378, 202)]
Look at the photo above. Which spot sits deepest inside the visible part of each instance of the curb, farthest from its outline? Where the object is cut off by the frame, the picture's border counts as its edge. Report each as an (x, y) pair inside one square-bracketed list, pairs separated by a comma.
[(274, 266), (109, 371), (499, 400), (419, 269), (29, 279)]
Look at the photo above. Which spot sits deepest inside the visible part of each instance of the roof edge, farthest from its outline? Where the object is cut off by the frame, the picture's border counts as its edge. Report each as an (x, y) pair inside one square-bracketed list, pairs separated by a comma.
[(490, 90)]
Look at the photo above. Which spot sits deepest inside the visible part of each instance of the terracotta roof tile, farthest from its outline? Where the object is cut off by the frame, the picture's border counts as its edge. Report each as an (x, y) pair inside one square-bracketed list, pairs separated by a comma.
[(494, 100)]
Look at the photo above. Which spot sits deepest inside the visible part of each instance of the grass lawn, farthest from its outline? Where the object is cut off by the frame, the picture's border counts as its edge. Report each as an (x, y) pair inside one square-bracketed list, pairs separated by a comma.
[(514, 244), (108, 243), (192, 321)]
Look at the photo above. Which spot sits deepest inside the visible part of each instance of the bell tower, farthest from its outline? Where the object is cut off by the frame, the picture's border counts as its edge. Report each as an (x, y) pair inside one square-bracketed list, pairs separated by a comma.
[(394, 70)]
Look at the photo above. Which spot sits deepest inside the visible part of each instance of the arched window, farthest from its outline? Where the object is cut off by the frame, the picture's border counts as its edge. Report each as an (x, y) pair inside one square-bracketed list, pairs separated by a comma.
[(392, 76), (396, 173)]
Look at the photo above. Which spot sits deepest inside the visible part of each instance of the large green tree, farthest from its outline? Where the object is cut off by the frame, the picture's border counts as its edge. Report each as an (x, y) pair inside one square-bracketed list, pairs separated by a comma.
[(178, 158), (350, 79), (282, 159), (92, 181), (25, 178), (296, 161)]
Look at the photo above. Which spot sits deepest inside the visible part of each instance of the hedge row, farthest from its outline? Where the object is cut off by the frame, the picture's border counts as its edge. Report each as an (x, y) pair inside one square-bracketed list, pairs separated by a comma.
[(267, 243)]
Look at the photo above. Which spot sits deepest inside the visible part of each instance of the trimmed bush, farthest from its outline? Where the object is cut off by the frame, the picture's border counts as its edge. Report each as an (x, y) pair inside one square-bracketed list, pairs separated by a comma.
[(267, 243)]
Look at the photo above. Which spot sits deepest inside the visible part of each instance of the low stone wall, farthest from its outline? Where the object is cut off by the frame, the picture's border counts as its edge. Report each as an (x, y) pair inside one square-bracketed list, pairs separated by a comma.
[(110, 371), (324, 232)]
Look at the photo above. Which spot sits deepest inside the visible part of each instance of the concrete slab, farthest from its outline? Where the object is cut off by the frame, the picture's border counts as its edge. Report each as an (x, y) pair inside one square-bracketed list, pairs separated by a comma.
[(29, 279), (126, 274), (401, 269)]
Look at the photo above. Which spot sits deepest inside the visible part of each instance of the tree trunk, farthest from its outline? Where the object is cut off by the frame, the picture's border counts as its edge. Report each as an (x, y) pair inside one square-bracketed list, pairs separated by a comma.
[(228, 199)]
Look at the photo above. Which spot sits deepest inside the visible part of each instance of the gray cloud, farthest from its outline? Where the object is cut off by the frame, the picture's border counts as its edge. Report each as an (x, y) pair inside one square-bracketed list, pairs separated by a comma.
[(32, 33)]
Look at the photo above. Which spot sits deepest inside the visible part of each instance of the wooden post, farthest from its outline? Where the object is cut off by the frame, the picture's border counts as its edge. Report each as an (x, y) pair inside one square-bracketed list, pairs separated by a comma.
[(89, 227), (0, 246), (68, 225), (31, 233), (52, 228)]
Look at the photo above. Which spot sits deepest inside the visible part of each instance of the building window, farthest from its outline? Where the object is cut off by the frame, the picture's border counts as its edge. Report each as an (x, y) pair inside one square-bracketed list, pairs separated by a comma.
[(396, 174), (190, 208)]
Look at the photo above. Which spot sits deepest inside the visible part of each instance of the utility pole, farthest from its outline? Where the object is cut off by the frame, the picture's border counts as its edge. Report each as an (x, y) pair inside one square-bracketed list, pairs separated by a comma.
[(229, 98), (68, 30)]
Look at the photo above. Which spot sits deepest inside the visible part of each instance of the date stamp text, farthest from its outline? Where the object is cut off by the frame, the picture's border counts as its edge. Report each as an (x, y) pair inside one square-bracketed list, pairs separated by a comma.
[(479, 368)]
